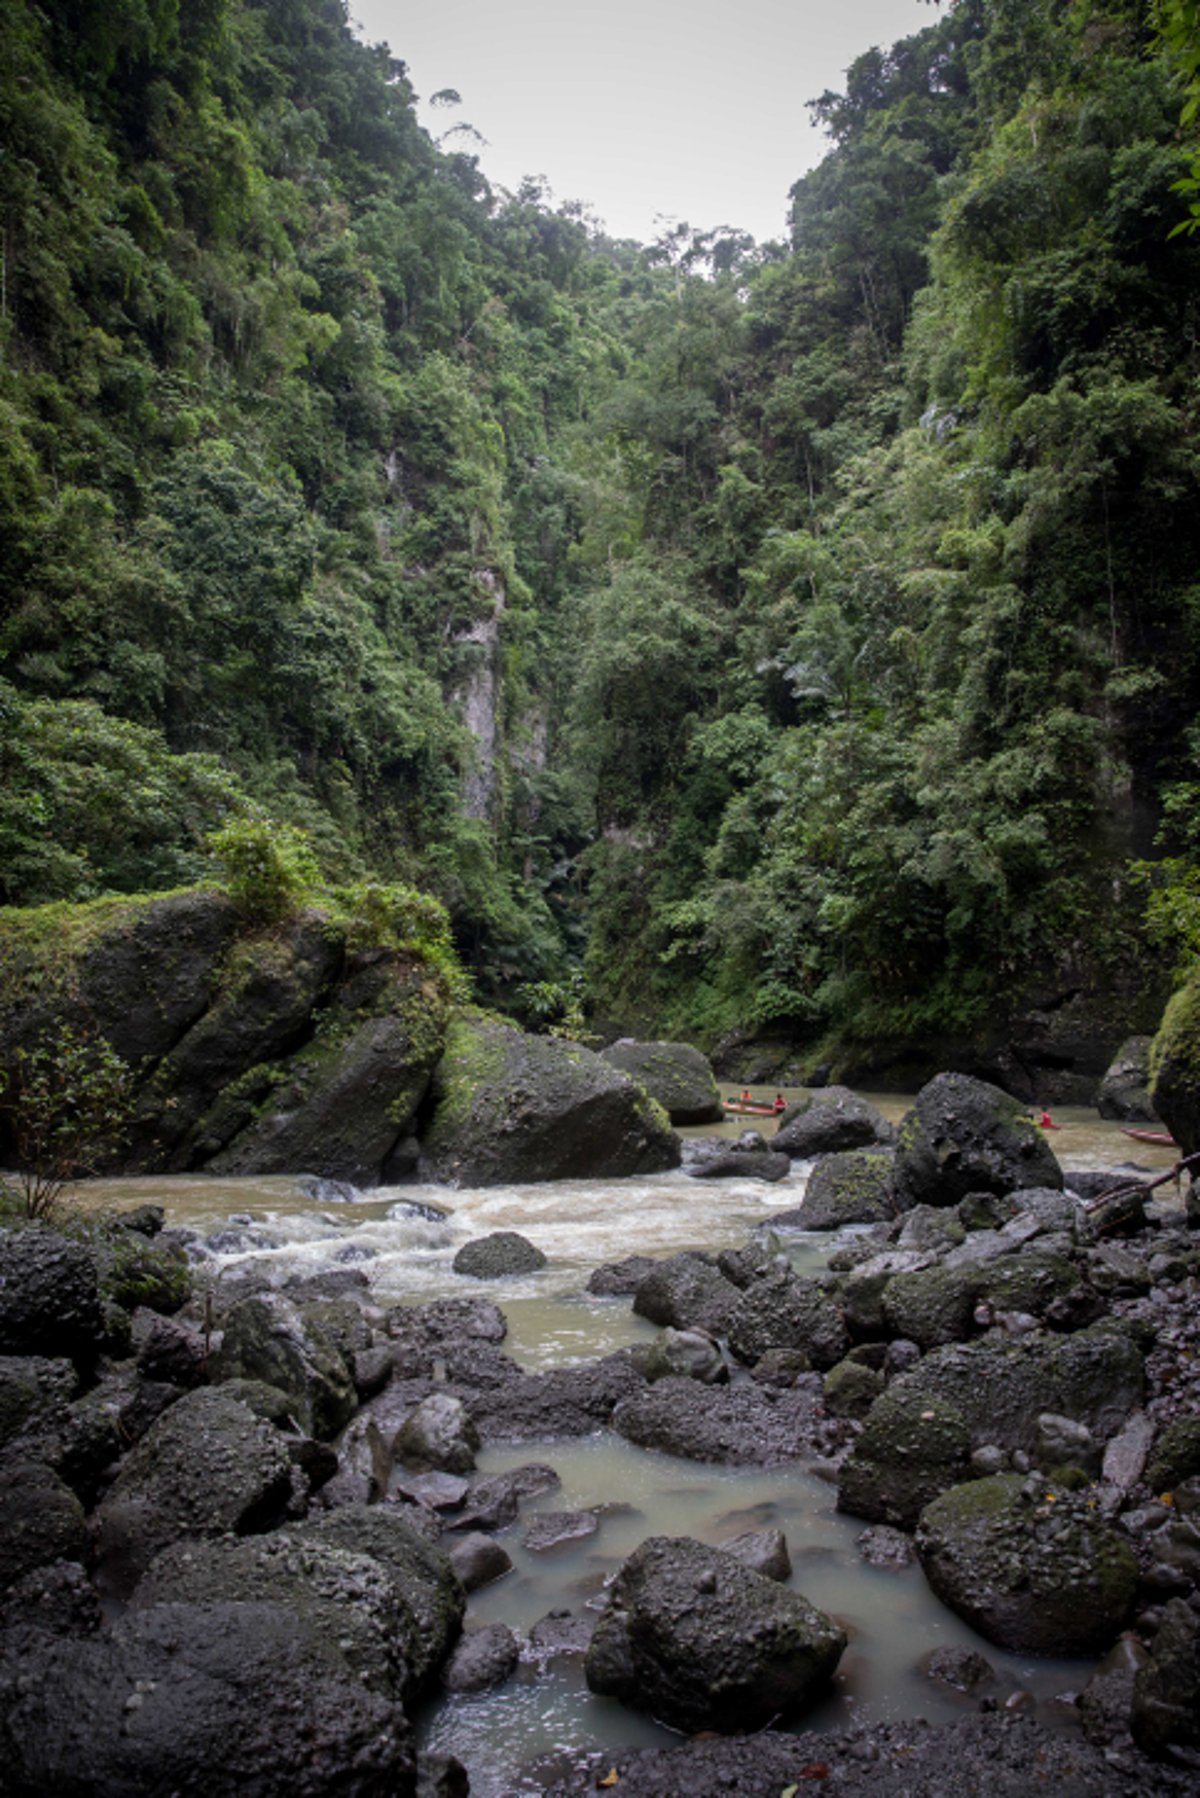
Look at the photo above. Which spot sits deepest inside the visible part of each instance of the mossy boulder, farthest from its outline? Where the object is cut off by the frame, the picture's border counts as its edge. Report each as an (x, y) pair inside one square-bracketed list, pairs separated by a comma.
[(510, 1108), (964, 1135), (850, 1187), (932, 1305), (297, 1349), (1176, 1455), (267, 1050), (912, 1447), (1124, 1091), (686, 1292), (1030, 1566), (1000, 1386), (1175, 1067), (50, 1302), (41, 1520), (678, 1076)]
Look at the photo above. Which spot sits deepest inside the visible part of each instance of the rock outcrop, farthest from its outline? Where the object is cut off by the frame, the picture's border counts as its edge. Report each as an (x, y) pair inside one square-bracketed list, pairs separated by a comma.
[(510, 1108)]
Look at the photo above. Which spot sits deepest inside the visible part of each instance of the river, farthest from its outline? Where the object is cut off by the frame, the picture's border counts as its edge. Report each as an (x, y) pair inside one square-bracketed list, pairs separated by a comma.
[(545, 1711)]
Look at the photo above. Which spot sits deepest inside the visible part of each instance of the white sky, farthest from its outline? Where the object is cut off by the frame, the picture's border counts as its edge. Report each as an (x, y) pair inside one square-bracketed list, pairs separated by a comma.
[(640, 108)]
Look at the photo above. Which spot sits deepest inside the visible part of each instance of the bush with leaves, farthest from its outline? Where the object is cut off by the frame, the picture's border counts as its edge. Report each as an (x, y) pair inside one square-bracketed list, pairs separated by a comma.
[(67, 1101), (269, 868)]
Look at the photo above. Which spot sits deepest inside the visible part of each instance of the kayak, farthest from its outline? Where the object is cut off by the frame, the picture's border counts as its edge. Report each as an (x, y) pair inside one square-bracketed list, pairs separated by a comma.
[(1162, 1137), (751, 1108)]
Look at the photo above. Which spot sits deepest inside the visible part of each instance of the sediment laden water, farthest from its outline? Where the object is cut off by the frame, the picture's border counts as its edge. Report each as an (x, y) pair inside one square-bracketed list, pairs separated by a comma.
[(290, 1226)]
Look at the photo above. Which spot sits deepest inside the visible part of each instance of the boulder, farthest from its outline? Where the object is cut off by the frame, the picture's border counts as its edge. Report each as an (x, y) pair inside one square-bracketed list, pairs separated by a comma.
[(35, 1395), (438, 1434), (1165, 1714), (498, 1256), (192, 1699), (834, 1118), (931, 1305), (510, 1108), (261, 1010), (296, 1349), (853, 1186), (1175, 1066), (964, 1136), (49, 1296), (684, 1352), (711, 1158), (851, 1389), (41, 1520), (562, 1402), (552, 1529), (738, 1426), (1030, 1566), (788, 1312), (483, 1658), (679, 1077), (345, 1101), (422, 1578), (1000, 1386), (686, 1292), (700, 1641), (912, 1448), (207, 1466), (1124, 1092)]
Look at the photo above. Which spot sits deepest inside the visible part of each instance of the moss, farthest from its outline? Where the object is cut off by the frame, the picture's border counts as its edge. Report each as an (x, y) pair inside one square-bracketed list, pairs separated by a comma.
[(1178, 1037)]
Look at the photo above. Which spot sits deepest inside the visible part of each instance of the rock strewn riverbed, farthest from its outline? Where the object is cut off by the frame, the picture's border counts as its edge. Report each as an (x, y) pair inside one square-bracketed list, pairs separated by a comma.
[(1003, 1375)]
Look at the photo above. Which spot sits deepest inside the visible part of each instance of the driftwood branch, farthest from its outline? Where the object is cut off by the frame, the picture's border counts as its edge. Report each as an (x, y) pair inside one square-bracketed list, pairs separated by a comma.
[(1144, 1187)]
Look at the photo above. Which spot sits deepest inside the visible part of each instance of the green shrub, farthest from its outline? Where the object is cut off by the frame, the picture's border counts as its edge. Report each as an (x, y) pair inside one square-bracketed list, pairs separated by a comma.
[(68, 1101), (269, 868)]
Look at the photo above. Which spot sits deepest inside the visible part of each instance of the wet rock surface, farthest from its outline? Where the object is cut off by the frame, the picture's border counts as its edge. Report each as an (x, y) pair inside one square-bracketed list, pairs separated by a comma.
[(702, 1641), (1001, 1375)]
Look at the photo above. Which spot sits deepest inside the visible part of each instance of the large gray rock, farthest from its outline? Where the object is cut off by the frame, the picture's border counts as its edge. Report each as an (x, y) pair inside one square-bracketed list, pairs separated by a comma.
[(686, 1292), (421, 1576), (346, 1100), (1031, 1567), (512, 1108), (1001, 1386), (41, 1520), (35, 1393), (195, 1699), (388, 1598), (830, 1120), (853, 1186), (294, 1348), (49, 1296), (783, 1311), (498, 1256), (964, 1135), (739, 1426), (699, 1640), (438, 1435), (678, 1076), (1124, 1091), (207, 1466)]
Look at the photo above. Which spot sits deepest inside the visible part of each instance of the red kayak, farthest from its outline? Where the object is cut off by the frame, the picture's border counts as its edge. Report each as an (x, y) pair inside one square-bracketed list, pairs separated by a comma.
[(749, 1108), (1163, 1138)]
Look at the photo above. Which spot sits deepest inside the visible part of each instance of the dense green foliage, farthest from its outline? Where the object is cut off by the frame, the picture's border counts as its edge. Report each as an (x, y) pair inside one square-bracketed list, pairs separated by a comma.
[(796, 637)]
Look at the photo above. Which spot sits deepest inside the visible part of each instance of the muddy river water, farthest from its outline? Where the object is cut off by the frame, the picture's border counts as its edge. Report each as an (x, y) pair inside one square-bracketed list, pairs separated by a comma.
[(545, 1711)]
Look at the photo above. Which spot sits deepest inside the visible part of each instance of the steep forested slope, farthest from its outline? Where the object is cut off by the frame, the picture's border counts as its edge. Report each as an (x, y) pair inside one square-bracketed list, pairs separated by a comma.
[(804, 635)]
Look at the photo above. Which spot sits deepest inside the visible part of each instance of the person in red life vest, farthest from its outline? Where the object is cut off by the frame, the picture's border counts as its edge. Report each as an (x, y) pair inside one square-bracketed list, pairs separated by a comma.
[(780, 1104), (744, 1098), (1046, 1122)]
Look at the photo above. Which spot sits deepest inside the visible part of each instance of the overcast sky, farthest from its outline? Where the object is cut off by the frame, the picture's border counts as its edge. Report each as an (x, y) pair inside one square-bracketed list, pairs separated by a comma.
[(641, 108)]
